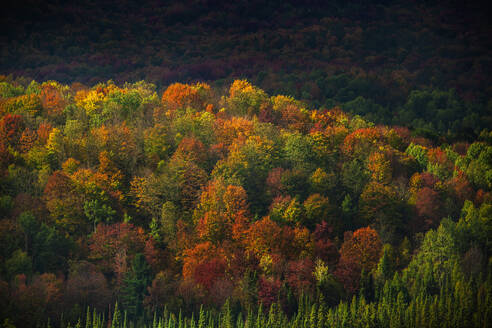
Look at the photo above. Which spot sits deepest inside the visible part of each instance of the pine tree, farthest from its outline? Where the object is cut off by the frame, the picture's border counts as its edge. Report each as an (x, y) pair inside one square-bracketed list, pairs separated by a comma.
[(227, 315), (259, 317), (201, 318), (192, 321), (135, 285), (239, 321), (249, 319), (116, 323), (88, 322), (313, 316), (321, 315)]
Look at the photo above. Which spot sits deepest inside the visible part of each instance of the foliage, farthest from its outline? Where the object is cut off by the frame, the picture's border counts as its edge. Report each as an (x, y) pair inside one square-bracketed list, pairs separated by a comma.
[(110, 195)]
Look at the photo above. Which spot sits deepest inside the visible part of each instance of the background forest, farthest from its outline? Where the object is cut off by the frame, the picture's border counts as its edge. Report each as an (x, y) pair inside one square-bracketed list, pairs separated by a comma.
[(345, 183), (422, 64)]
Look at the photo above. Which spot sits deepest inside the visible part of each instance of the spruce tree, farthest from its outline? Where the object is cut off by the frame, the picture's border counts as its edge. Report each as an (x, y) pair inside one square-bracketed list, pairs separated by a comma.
[(116, 323), (201, 318)]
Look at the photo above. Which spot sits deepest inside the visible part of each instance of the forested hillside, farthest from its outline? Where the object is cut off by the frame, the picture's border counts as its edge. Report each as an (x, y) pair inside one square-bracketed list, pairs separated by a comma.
[(421, 64), (197, 207)]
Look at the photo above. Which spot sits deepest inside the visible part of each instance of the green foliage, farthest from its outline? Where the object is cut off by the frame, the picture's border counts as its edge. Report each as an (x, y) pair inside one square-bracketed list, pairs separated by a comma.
[(135, 286), (97, 212)]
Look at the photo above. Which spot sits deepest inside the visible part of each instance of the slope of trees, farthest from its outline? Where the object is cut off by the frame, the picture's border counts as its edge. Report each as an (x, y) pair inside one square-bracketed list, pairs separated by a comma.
[(423, 64), (176, 205)]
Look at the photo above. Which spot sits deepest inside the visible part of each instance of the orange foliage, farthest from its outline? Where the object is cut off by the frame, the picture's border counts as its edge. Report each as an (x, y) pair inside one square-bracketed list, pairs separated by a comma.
[(362, 247), (219, 208), (27, 140), (192, 149), (11, 128), (360, 251), (227, 131), (44, 131), (180, 95), (52, 100), (263, 237)]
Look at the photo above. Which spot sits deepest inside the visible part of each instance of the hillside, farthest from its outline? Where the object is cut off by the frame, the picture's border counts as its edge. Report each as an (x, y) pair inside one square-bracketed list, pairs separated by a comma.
[(198, 199), (420, 64)]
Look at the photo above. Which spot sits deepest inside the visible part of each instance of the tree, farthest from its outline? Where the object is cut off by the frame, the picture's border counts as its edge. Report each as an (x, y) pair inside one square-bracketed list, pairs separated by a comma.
[(48, 248), (63, 202), (381, 207), (97, 212), (112, 246), (135, 284), (219, 209), (18, 263), (318, 209), (11, 128), (87, 286), (428, 205), (360, 251), (180, 96), (52, 99), (268, 291), (245, 99)]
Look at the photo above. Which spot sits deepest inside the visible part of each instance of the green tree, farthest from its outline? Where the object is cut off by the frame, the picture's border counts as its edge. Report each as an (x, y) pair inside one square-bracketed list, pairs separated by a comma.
[(135, 286)]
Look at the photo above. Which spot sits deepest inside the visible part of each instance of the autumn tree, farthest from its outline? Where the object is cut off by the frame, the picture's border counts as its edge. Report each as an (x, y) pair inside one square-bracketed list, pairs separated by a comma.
[(11, 128), (63, 202), (360, 251), (245, 99), (219, 209), (381, 206), (180, 96), (113, 248)]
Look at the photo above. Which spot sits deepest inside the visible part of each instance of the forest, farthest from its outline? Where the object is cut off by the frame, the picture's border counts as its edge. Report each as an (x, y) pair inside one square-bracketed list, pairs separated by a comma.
[(248, 163), (124, 207), (418, 63)]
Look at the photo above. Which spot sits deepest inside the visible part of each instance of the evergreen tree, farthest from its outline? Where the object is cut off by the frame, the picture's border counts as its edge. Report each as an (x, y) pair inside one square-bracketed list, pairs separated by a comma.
[(116, 322), (135, 286), (201, 318)]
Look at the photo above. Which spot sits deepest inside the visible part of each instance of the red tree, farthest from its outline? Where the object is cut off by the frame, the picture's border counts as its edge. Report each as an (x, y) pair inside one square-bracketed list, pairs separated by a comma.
[(360, 251)]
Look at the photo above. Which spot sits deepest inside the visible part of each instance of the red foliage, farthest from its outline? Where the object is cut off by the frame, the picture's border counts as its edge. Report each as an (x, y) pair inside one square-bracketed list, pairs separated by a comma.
[(44, 131), (11, 128), (293, 118), (360, 250), (207, 273), (192, 149), (113, 245), (428, 205), (324, 248), (86, 285), (58, 186), (348, 273), (268, 291), (300, 275)]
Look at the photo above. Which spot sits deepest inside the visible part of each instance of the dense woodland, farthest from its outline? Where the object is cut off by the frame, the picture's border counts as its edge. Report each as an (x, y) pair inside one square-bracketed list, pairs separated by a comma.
[(249, 163), (417, 63), (191, 207)]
